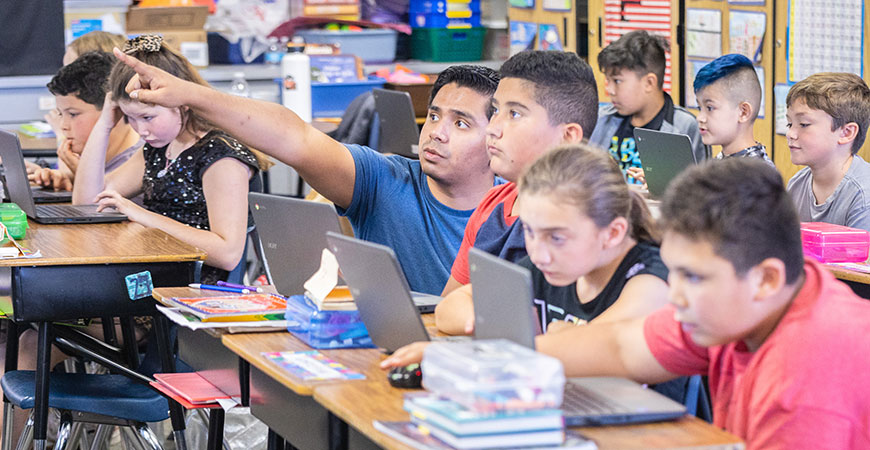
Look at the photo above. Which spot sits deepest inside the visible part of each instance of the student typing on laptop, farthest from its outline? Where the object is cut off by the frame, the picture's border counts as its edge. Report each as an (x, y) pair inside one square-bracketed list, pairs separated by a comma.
[(194, 177), (418, 208)]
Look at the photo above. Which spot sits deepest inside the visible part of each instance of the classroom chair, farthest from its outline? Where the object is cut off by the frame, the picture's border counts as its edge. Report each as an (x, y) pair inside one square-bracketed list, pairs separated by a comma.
[(106, 399)]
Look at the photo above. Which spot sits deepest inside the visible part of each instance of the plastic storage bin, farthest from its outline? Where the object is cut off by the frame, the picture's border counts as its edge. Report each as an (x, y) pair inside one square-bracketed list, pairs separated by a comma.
[(497, 374), (371, 45), (435, 20), (835, 243), (331, 99), (447, 45), (325, 329), (14, 219), (444, 14)]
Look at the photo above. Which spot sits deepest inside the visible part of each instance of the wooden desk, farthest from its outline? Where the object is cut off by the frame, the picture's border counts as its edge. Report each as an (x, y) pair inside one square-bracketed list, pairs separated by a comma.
[(37, 147), (359, 404), (849, 275), (82, 274)]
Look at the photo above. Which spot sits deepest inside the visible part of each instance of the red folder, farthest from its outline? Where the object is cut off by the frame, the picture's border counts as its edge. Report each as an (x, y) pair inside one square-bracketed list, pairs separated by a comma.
[(191, 387)]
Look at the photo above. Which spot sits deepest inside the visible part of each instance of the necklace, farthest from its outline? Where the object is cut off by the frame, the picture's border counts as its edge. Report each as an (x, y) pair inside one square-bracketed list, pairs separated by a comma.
[(169, 163)]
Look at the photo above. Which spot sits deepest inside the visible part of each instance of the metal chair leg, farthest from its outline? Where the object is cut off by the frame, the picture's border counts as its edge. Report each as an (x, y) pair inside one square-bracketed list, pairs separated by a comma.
[(146, 437), (103, 433), (26, 438), (8, 425), (64, 432), (75, 435)]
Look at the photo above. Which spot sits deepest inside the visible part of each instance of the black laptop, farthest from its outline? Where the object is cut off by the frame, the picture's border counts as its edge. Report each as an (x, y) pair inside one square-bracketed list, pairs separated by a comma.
[(663, 156), (399, 132), (20, 193)]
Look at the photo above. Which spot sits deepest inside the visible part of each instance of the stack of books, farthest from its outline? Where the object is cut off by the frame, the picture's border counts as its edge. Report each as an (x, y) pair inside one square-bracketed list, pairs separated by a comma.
[(440, 423)]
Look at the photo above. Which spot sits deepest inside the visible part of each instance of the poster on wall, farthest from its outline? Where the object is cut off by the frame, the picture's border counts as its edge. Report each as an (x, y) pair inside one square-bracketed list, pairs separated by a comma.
[(780, 124), (746, 33), (703, 33), (556, 5), (692, 68), (548, 37), (824, 36), (524, 4), (522, 36), (623, 16)]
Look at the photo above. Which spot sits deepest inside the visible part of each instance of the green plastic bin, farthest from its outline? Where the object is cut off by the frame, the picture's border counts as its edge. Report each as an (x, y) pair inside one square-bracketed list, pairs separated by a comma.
[(15, 220), (447, 44)]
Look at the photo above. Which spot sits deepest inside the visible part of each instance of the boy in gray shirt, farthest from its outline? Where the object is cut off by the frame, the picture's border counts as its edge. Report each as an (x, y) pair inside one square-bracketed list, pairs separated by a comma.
[(828, 115)]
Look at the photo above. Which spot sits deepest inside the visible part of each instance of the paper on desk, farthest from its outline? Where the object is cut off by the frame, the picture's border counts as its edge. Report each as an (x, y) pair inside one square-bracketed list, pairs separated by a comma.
[(191, 322), (324, 280)]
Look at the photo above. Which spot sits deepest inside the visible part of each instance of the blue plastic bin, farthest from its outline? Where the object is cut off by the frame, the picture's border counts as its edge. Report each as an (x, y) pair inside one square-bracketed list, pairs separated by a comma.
[(331, 99), (437, 20), (371, 45), (439, 6), (326, 329)]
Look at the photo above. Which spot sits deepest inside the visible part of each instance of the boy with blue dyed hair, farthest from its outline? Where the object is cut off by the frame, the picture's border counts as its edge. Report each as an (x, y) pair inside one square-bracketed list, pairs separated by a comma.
[(729, 98)]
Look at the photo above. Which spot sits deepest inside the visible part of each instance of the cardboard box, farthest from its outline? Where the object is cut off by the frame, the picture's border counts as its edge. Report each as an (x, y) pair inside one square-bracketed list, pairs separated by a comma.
[(181, 27), (79, 21)]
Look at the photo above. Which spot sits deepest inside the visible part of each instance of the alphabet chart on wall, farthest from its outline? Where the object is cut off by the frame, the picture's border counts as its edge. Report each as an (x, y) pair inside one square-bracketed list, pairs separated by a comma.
[(824, 36)]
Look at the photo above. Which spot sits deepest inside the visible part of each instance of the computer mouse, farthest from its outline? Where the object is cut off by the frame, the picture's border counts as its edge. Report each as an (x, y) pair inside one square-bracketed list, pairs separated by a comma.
[(406, 377)]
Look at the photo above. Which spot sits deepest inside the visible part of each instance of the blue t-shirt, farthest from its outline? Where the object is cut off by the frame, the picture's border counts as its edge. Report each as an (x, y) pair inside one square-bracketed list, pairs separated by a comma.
[(392, 205)]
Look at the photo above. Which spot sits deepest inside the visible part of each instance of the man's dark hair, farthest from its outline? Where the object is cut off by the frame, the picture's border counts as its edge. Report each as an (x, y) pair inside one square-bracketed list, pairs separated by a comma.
[(482, 80), (84, 78), (564, 85), (637, 51), (740, 206)]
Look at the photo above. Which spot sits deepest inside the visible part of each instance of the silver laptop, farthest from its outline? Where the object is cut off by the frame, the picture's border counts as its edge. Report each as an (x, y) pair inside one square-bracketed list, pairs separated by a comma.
[(19, 191), (399, 131), (501, 288), (380, 290), (293, 234), (663, 156)]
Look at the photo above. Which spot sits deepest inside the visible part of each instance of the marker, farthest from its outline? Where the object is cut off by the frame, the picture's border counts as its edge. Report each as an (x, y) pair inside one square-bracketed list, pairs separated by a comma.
[(240, 286), (212, 287)]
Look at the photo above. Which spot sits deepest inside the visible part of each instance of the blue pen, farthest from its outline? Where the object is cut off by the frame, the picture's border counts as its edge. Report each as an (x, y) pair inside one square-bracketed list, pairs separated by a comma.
[(212, 287), (240, 286)]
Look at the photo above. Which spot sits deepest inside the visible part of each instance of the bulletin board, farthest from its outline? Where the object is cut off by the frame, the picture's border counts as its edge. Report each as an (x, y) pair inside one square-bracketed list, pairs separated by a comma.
[(542, 25), (714, 28), (610, 19), (838, 50)]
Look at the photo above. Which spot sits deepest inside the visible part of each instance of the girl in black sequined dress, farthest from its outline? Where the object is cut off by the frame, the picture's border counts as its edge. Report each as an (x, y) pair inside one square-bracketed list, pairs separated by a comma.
[(194, 178)]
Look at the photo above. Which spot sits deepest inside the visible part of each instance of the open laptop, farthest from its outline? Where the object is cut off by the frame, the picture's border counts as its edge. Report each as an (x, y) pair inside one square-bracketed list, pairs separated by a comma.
[(380, 290), (293, 234), (663, 156), (501, 289), (19, 191), (399, 131)]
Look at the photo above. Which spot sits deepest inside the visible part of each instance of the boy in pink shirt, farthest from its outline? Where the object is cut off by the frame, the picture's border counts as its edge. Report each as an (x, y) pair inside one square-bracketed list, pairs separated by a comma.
[(784, 343)]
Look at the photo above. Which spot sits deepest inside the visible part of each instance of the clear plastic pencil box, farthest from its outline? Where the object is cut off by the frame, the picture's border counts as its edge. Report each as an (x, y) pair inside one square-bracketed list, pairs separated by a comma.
[(489, 375)]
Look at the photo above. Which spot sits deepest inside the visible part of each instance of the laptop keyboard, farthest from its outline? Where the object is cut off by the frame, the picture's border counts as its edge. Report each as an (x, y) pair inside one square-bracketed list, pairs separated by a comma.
[(62, 211), (581, 401)]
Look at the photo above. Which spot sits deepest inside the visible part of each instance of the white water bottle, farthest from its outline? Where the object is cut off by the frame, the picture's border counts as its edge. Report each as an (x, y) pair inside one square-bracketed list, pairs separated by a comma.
[(296, 80), (239, 86)]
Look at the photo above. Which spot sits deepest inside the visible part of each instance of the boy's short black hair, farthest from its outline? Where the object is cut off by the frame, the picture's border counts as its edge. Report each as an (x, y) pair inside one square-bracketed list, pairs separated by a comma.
[(480, 79), (564, 85), (746, 222), (637, 51), (84, 78)]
